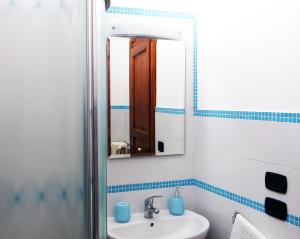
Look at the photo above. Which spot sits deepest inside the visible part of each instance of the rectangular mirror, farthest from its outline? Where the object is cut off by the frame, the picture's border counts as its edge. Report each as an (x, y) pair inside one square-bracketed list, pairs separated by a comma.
[(146, 96)]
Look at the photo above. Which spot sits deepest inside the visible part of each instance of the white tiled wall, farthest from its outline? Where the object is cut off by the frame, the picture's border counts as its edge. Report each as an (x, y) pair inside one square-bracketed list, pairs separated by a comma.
[(249, 55), (170, 55), (230, 154), (165, 125), (119, 71), (234, 155), (120, 125), (239, 49), (136, 199), (219, 212)]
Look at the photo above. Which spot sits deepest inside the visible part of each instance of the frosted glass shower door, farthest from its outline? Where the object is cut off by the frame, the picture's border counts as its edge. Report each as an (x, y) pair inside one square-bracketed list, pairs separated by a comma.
[(43, 105)]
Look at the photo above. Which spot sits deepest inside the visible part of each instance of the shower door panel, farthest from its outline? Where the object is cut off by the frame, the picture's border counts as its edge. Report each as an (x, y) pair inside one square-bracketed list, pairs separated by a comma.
[(43, 105)]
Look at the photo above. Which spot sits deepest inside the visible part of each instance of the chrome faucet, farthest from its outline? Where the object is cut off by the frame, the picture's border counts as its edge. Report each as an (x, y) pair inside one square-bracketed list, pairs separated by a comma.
[(149, 209)]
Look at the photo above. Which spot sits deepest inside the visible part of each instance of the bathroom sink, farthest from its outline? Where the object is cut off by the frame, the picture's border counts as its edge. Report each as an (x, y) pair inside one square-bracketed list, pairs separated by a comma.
[(163, 226)]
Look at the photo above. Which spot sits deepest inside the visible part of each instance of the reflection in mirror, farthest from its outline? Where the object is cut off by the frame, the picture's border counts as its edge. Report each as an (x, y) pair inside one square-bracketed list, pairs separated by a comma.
[(146, 96)]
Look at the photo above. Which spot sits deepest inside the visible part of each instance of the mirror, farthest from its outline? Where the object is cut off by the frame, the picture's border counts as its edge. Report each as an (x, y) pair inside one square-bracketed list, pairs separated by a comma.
[(146, 96)]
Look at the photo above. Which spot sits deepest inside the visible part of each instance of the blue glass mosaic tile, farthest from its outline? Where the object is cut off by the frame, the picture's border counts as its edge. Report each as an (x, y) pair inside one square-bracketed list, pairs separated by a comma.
[(229, 195), (147, 186), (250, 115), (119, 107), (149, 13), (176, 111), (157, 109), (292, 219)]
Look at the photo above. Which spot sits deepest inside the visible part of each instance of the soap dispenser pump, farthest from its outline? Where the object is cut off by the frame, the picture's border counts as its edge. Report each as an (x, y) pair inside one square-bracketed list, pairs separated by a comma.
[(176, 204)]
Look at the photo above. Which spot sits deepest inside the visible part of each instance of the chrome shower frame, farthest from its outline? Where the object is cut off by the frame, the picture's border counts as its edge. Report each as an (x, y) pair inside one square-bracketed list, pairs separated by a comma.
[(93, 128)]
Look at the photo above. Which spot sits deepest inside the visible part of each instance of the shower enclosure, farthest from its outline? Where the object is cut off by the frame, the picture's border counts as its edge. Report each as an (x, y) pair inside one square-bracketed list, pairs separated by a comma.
[(52, 167)]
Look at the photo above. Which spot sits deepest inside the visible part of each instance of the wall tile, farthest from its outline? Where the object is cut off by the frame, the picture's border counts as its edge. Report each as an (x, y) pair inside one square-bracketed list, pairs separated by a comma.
[(226, 152), (136, 199), (220, 212)]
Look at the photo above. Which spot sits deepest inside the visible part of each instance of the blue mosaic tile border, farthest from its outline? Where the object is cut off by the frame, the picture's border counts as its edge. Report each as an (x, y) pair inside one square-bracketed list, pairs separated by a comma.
[(157, 109), (229, 195), (119, 107), (240, 115), (149, 13), (292, 219), (148, 186), (250, 115), (176, 111)]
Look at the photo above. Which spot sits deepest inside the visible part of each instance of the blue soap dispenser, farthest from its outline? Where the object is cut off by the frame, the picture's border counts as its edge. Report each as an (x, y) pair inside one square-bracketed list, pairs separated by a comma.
[(176, 204)]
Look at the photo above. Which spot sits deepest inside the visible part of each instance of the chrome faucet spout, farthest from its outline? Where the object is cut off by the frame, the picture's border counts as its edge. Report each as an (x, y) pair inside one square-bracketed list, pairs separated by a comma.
[(149, 209)]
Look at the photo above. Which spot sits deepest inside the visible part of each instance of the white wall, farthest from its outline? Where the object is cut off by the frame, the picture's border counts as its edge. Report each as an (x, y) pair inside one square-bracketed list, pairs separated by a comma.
[(136, 199), (164, 131), (170, 93), (248, 57), (119, 88), (170, 74), (120, 125), (234, 155), (236, 59), (119, 71)]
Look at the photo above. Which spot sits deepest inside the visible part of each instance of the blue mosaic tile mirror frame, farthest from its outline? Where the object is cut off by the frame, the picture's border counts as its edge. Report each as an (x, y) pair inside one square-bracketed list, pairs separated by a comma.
[(241, 115)]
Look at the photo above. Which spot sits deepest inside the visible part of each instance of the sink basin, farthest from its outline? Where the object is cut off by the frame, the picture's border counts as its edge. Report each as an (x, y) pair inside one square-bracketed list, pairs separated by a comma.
[(163, 226)]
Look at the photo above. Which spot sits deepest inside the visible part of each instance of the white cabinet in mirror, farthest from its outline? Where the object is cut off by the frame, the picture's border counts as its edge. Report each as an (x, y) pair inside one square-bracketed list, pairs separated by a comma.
[(146, 96)]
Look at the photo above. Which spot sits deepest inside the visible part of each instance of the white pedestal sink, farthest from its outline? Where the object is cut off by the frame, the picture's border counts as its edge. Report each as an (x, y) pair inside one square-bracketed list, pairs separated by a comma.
[(163, 226)]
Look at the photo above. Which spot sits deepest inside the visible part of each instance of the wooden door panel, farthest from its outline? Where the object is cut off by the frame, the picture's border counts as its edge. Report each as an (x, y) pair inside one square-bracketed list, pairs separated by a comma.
[(141, 109), (141, 93)]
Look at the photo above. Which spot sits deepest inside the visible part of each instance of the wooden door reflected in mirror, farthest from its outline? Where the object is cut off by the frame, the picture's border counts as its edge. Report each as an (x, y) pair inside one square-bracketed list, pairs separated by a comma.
[(144, 118), (142, 96)]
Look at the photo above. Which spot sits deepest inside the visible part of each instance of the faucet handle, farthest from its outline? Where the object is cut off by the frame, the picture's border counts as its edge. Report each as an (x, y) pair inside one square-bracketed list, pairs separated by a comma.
[(149, 200)]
